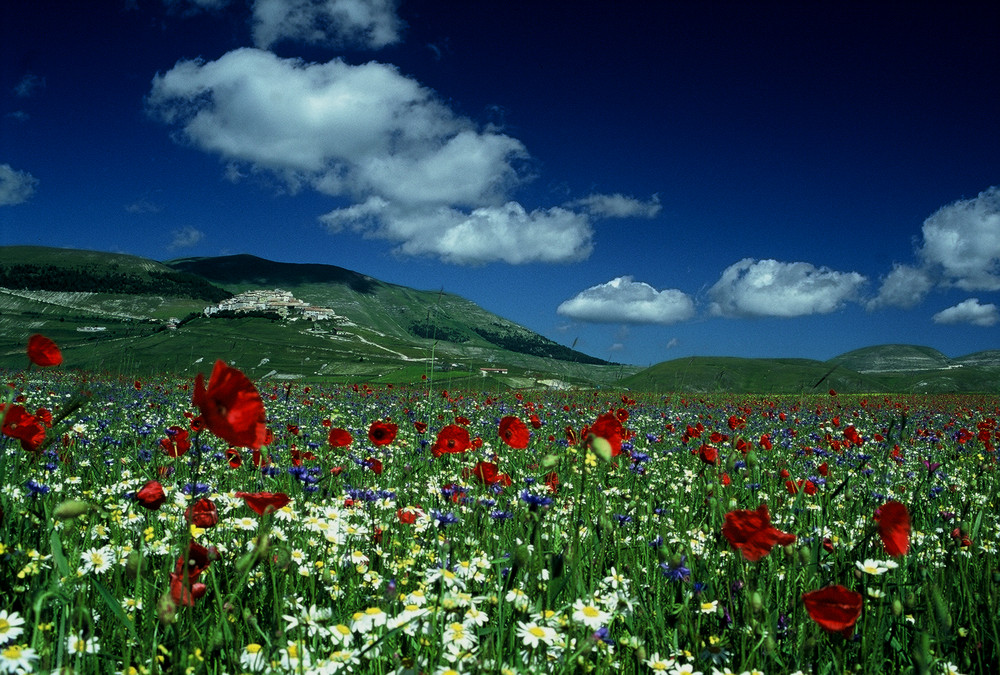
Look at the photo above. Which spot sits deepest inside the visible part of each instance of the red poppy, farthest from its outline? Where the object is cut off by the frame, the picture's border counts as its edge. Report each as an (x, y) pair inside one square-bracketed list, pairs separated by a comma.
[(451, 439), (196, 561), (151, 495), (708, 454), (421, 427), (382, 433), (375, 465), (20, 424), (339, 438), (44, 416), (185, 593), (409, 514), (894, 528), (231, 407), (765, 442), (752, 533), (234, 457), (262, 502), (552, 480), (514, 432), (835, 608), (202, 513), (536, 422), (610, 429), (851, 434), (176, 443), (43, 351), (486, 473)]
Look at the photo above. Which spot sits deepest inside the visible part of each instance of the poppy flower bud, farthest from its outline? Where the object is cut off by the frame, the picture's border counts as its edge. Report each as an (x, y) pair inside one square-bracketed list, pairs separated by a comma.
[(805, 555), (601, 447), (72, 508), (897, 607), (133, 565), (166, 609), (756, 601), (752, 460), (521, 556)]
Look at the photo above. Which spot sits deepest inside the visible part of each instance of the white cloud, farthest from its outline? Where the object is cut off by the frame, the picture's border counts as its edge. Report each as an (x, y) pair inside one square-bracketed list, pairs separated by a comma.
[(185, 237), (366, 23), (343, 129), (771, 288), (904, 287), (506, 233), (962, 240), (16, 187), (623, 300), (420, 176), (617, 206), (969, 311)]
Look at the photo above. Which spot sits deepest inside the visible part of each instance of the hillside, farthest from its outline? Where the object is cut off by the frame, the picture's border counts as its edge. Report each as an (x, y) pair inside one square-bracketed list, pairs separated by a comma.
[(398, 311), (128, 314), (881, 368), (892, 359)]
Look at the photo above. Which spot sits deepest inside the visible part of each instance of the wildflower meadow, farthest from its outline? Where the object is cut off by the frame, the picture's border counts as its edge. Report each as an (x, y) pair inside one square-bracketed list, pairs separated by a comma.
[(220, 525)]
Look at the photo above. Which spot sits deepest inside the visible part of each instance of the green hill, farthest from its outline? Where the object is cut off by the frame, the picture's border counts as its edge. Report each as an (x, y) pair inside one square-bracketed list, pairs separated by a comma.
[(892, 359), (128, 314), (709, 374), (882, 368)]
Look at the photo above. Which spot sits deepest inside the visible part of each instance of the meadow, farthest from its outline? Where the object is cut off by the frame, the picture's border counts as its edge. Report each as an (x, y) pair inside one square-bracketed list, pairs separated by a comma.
[(214, 525)]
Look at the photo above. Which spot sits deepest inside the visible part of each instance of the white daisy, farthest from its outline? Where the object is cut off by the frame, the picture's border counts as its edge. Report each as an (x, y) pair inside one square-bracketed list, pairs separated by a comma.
[(532, 634), (10, 626), (253, 658), (75, 644), (17, 659), (590, 616), (97, 560)]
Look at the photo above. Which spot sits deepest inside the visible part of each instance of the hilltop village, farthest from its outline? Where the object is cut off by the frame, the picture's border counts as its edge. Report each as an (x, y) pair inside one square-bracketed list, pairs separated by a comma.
[(283, 303)]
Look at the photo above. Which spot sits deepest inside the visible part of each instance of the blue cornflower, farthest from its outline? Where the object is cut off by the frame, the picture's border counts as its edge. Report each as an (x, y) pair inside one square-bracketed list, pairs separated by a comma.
[(534, 501), (675, 570), (444, 519), (36, 489)]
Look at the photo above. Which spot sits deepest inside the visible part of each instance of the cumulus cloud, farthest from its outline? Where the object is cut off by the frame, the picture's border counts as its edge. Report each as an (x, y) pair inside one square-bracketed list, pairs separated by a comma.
[(419, 175), (506, 232), (343, 129), (904, 286), (16, 187), (969, 311), (185, 237), (752, 288), (623, 300), (962, 240), (617, 206), (365, 23)]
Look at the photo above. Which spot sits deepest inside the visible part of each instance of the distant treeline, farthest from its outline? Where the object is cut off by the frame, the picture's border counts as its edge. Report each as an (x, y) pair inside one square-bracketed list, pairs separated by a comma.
[(83, 280), (430, 331)]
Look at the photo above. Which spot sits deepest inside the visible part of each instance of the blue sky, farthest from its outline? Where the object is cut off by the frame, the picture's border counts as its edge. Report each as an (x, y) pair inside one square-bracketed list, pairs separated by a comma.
[(646, 180)]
